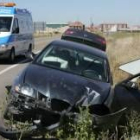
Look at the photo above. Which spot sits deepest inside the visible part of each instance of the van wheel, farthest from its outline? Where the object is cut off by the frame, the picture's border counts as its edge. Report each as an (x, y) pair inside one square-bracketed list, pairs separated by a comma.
[(12, 56), (30, 49)]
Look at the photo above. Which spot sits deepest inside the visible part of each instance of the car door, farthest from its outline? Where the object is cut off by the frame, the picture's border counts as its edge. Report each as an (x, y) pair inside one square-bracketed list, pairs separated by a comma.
[(127, 94)]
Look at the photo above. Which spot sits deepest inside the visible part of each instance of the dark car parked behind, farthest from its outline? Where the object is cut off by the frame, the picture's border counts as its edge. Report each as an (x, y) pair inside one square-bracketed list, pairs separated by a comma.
[(84, 37)]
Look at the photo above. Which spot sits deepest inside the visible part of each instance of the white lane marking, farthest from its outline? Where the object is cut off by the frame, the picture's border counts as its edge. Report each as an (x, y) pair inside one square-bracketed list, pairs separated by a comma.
[(11, 67), (5, 70)]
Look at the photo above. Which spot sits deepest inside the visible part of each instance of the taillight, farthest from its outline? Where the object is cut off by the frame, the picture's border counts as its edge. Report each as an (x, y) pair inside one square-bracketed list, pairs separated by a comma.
[(102, 41), (69, 32)]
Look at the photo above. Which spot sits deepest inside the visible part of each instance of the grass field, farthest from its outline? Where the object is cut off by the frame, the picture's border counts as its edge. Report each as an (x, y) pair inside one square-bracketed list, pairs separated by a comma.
[(122, 48)]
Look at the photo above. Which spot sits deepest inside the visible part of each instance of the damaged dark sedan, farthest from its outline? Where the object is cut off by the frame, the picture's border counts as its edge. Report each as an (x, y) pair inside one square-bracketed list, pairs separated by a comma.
[(62, 78)]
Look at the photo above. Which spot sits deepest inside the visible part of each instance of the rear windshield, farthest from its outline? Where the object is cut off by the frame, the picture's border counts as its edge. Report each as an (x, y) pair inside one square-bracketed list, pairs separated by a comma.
[(95, 44), (5, 24)]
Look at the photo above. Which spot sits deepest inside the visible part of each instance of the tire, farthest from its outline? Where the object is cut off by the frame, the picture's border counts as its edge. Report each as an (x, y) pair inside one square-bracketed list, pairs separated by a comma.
[(30, 49), (12, 56)]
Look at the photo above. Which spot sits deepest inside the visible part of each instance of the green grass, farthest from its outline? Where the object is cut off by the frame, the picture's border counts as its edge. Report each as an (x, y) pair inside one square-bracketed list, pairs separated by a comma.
[(82, 130)]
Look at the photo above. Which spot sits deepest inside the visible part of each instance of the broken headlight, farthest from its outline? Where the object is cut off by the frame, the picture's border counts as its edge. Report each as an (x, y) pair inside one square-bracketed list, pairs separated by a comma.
[(26, 89)]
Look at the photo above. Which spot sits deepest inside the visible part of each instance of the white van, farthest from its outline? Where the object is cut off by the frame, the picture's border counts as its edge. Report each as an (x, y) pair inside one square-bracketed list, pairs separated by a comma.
[(16, 31)]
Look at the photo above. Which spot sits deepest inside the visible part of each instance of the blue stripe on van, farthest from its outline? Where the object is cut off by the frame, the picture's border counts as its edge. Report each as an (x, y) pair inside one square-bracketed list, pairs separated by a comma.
[(7, 10), (4, 40)]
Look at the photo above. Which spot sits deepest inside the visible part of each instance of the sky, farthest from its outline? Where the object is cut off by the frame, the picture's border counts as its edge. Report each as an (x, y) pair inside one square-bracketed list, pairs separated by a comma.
[(86, 11)]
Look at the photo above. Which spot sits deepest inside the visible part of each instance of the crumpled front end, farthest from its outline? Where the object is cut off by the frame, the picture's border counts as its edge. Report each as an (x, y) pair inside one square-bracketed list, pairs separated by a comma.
[(49, 114)]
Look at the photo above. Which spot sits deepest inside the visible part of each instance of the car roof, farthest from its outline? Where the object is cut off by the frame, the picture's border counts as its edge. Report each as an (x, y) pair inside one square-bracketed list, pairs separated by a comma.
[(81, 47), (81, 34), (85, 37)]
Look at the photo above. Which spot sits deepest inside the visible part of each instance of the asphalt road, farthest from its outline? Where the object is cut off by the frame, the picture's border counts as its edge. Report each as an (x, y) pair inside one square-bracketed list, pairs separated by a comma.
[(9, 71)]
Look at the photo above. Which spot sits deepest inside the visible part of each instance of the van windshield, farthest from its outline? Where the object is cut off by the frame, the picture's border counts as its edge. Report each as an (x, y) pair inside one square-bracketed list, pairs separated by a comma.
[(5, 24)]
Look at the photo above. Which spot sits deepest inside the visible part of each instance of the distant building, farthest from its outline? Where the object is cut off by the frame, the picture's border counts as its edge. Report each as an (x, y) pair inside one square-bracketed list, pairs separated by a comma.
[(77, 25), (93, 28), (112, 27), (43, 27), (135, 28), (56, 27)]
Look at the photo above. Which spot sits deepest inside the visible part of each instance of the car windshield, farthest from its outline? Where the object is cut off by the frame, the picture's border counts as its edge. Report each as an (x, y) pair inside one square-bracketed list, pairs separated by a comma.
[(74, 61), (5, 24)]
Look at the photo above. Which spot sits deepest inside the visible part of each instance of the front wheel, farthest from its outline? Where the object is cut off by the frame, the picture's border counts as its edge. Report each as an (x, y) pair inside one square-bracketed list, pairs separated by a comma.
[(30, 49), (12, 56)]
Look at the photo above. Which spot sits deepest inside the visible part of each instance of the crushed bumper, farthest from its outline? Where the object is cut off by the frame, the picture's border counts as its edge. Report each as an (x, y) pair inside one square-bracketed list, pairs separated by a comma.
[(103, 122), (107, 121)]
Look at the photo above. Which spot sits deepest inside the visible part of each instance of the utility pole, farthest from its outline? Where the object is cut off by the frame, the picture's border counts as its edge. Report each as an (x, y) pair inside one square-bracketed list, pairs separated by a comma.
[(91, 21), (91, 24)]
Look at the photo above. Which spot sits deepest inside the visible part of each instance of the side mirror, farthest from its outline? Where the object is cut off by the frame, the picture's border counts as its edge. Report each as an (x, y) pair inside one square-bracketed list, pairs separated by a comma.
[(30, 55)]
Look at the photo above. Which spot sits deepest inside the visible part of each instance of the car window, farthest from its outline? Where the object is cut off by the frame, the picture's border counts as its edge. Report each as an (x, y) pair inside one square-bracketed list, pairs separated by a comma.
[(15, 28), (74, 61)]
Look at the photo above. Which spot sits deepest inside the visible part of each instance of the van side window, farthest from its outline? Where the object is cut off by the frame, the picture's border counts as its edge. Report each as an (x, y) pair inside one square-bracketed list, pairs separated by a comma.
[(15, 29)]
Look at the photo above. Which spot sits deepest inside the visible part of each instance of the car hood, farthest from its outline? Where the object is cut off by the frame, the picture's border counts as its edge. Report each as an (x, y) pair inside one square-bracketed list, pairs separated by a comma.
[(65, 86)]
